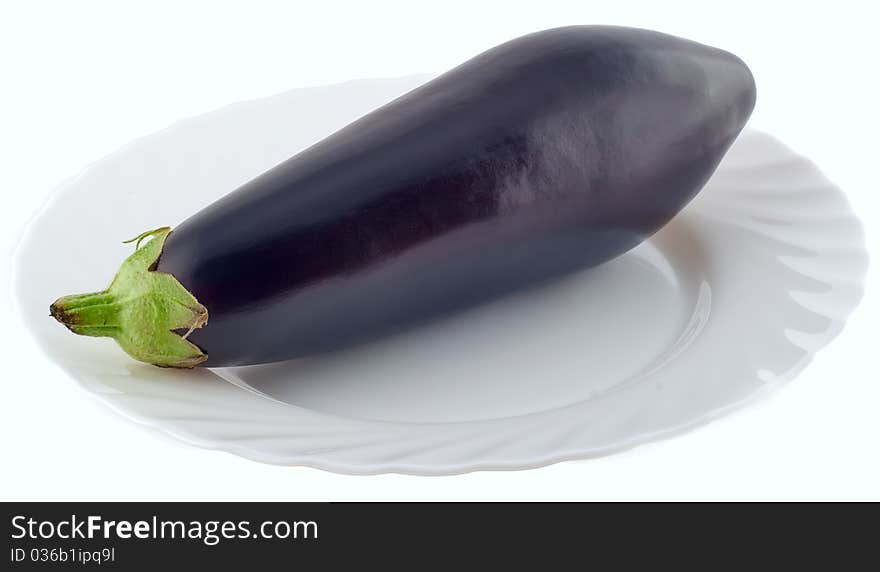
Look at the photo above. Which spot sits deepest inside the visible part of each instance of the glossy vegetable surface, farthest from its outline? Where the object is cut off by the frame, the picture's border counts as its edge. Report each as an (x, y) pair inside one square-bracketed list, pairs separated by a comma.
[(548, 154)]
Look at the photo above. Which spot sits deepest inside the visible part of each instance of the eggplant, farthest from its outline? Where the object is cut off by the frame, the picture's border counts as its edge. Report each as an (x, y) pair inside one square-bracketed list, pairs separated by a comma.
[(548, 154)]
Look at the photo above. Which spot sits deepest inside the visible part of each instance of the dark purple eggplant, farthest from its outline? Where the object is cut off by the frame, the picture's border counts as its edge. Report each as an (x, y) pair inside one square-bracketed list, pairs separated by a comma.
[(548, 154)]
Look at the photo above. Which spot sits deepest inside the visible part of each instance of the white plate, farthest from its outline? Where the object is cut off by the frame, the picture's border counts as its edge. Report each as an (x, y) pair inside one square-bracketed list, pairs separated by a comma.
[(731, 298)]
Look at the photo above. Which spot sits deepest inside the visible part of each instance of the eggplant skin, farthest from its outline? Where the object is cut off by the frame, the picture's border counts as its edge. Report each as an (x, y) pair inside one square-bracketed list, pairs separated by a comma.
[(548, 154)]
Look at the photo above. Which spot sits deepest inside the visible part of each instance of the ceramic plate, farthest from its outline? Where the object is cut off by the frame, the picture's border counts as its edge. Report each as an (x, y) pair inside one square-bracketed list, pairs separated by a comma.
[(730, 299)]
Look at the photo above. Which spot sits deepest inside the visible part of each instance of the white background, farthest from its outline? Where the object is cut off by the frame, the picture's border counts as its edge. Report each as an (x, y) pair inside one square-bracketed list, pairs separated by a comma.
[(79, 79)]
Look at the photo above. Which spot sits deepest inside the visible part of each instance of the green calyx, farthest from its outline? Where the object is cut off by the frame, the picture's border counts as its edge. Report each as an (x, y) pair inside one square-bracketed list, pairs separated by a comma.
[(149, 313)]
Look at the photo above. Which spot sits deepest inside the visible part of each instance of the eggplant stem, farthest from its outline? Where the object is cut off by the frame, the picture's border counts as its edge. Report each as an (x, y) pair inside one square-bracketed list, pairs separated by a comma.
[(141, 309), (139, 238)]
